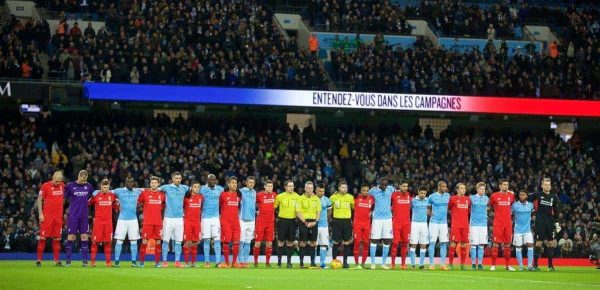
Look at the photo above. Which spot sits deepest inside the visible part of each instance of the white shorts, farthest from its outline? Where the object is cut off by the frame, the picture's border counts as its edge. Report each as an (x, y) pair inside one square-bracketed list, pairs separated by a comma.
[(478, 235), (129, 228), (419, 234), (172, 229), (381, 229), (438, 231), (247, 231), (521, 239), (211, 228), (323, 236)]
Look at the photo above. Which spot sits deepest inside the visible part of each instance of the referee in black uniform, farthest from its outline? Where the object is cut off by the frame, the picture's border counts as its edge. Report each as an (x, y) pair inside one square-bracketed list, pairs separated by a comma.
[(546, 227)]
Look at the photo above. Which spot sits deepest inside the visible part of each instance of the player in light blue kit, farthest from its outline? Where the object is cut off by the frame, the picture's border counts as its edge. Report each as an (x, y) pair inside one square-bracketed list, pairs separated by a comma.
[(478, 226), (173, 220), (419, 234), (381, 226), (522, 211), (438, 224), (247, 219), (127, 224), (323, 225), (211, 225)]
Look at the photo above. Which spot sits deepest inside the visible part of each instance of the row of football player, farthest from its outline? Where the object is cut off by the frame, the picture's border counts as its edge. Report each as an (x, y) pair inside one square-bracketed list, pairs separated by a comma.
[(380, 215)]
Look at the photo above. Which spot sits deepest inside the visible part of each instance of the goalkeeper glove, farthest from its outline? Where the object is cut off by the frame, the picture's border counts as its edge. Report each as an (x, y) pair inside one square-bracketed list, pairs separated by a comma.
[(557, 227)]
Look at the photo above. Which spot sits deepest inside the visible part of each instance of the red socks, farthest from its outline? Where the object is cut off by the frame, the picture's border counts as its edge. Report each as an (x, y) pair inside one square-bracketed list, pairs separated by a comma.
[(507, 255), (256, 251), (94, 252), (186, 254), (403, 253), (236, 251), (157, 252), (226, 252), (268, 253), (451, 255), (394, 253), (56, 249), (463, 254), (40, 249), (194, 253), (365, 251), (107, 252), (494, 255), (143, 252), (355, 251)]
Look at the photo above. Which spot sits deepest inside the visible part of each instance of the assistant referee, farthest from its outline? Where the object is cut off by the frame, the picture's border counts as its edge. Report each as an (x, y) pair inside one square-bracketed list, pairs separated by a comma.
[(286, 203)]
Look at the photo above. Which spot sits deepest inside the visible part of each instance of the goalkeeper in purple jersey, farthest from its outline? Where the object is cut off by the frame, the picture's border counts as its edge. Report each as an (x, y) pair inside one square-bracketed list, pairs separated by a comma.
[(78, 193)]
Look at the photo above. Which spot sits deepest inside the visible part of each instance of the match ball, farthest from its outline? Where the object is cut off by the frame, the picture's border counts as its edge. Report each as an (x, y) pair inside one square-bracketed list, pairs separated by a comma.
[(336, 264)]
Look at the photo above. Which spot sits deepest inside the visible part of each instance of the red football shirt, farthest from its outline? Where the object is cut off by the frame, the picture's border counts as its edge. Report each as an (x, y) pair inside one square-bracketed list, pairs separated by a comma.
[(502, 205), (192, 207), (266, 210), (153, 203), (362, 209), (53, 196), (103, 204), (401, 207), (229, 202), (459, 207)]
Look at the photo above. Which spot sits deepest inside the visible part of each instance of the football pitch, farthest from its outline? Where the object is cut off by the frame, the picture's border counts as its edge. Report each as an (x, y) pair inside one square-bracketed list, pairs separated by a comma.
[(24, 275)]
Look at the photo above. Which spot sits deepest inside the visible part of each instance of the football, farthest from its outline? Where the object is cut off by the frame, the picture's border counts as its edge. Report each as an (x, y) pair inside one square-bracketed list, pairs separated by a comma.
[(336, 264)]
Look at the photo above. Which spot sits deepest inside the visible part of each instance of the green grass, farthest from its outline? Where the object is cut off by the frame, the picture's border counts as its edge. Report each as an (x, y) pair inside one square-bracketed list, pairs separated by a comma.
[(24, 275)]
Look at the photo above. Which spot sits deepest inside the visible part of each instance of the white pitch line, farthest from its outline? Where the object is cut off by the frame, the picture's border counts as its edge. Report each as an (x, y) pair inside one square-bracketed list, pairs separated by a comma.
[(514, 280)]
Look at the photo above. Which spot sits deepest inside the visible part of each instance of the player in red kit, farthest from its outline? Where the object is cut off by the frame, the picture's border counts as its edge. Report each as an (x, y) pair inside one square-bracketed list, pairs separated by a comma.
[(104, 202), (192, 206), (153, 203), (401, 223), (502, 202), (50, 209), (459, 207), (363, 206), (229, 204), (265, 222)]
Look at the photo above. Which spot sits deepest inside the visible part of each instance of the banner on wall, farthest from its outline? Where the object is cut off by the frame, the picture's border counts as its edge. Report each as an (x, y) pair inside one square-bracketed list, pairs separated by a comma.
[(340, 100)]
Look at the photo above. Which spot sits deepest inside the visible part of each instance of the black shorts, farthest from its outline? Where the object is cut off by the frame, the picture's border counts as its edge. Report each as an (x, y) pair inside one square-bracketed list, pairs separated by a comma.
[(307, 234), (286, 229), (544, 231), (341, 230)]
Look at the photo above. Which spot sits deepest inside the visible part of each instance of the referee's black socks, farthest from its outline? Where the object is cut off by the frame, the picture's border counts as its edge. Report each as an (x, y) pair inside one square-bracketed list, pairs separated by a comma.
[(550, 256), (279, 254), (347, 250), (301, 254), (289, 254)]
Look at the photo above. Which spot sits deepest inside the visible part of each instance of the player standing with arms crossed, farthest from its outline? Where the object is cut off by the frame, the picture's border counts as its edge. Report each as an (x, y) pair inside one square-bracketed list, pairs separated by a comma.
[(173, 221), (229, 204), (153, 203), (211, 224), (419, 233), (381, 228), (546, 226), (501, 202), (285, 202), (78, 193), (192, 209), (50, 210), (522, 210), (265, 223), (438, 224), (401, 223), (363, 207), (247, 219), (127, 223), (103, 202), (478, 226), (459, 207), (341, 224), (308, 211), (323, 225)]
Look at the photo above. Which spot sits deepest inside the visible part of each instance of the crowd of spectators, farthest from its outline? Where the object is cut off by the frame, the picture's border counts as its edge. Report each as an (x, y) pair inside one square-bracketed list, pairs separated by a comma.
[(106, 146), (22, 42)]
